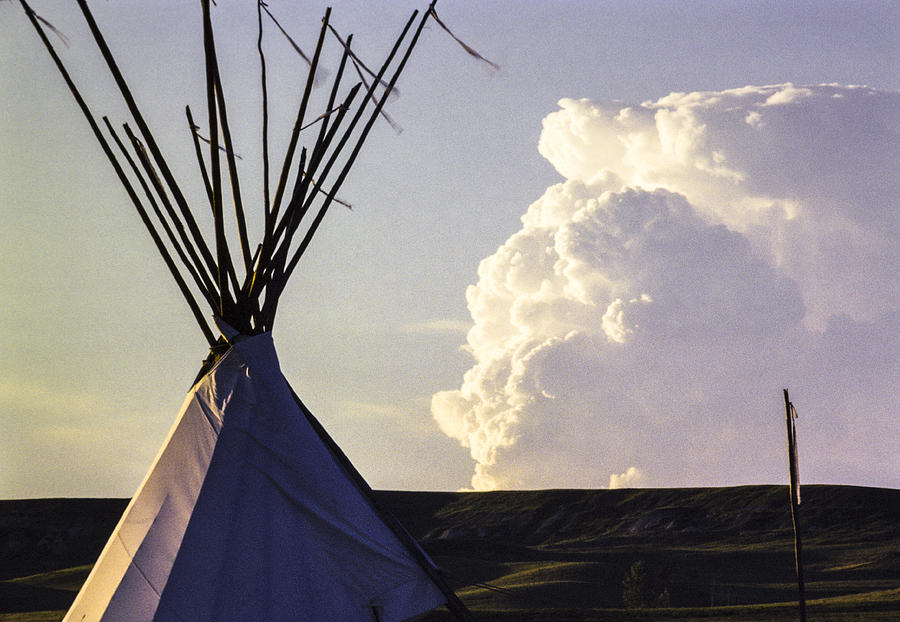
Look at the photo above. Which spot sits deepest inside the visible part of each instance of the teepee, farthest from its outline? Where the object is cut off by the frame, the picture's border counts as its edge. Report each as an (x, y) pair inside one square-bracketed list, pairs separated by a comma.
[(250, 511)]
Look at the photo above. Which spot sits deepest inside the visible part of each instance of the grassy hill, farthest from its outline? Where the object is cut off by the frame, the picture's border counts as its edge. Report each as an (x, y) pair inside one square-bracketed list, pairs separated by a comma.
[(717, 553)]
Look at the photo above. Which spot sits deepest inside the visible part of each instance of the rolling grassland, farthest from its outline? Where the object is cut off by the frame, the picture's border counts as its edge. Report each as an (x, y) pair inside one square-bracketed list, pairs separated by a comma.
[(705, 553)]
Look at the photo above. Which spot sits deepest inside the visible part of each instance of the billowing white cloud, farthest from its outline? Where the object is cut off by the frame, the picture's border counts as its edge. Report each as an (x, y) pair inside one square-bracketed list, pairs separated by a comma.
[(704, 250), (633, 477), (808, 175)]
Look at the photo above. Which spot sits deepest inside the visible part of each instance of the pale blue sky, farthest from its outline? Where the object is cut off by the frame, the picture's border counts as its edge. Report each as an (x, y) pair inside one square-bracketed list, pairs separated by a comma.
[(96, 347)]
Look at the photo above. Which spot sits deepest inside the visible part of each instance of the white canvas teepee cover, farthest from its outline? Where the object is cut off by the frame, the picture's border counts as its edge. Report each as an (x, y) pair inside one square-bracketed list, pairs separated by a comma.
[(246, 515)]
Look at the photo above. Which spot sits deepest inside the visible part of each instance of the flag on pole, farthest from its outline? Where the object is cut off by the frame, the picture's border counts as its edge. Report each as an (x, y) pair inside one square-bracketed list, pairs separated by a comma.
[(790, 414), (795, 461)]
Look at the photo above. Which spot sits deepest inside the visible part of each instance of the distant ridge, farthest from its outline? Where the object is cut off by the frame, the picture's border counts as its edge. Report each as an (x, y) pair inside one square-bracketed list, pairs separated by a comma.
[(37, 535), (548, 517)]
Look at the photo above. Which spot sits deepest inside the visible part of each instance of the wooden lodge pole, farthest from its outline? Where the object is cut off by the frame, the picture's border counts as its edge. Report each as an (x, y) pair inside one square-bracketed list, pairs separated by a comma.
[(790, 414)]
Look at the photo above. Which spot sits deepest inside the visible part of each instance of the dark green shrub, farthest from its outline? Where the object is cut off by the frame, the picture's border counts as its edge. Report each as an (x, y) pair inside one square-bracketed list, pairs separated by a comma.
[(640, 590)]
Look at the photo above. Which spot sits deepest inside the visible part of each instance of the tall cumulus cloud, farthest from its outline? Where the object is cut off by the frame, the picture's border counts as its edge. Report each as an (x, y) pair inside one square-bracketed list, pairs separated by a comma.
[(704, 251)]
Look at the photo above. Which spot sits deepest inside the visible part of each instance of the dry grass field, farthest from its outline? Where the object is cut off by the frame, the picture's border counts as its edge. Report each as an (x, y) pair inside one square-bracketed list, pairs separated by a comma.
[(716, 553)]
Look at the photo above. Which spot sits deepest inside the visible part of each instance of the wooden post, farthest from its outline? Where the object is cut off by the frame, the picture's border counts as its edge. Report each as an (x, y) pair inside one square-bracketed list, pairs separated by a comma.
[(790, 414)]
